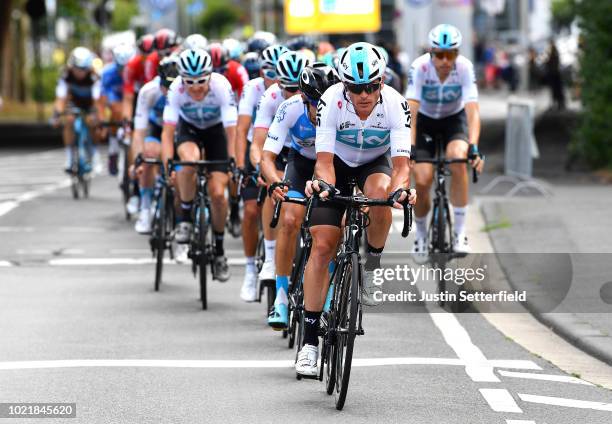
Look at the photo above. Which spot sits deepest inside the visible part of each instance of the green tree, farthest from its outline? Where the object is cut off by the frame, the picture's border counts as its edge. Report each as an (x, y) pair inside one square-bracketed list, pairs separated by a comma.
[(563, 13), (594, 136), (124, 11), (219, 18)]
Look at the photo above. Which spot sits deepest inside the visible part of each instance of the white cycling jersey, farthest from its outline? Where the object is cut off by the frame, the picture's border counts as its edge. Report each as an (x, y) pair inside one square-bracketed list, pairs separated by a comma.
[(251, 94), (150, 105), (291, 121), (267, 107), (64, 88), (219, 105), (439, 100), (357, 142)]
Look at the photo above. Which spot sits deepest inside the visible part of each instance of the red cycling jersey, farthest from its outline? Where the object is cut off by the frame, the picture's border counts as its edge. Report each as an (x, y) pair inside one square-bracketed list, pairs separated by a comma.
[(133, 74), (237, 75), (150, 67)]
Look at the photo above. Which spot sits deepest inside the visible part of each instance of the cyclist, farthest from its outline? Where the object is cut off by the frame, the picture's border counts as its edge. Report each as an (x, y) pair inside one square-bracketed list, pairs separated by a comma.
[(363, 131), (148, 124), (443, 98), (112, 96), (288, 68), (294, 120), (234, 48), (133, 74), (247, 112), (166, 42), (235, 73), (200, 105), (78, 86)]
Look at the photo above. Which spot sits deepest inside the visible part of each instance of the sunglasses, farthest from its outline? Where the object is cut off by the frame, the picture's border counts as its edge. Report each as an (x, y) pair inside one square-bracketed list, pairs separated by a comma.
[(448, 54), (269, 73), (290, 89), (201, 81), (360, 88)]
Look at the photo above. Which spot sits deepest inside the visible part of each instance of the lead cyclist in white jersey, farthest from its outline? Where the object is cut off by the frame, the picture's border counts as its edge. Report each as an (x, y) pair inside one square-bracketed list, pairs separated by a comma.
[(201, 112), (363, 132), (443, 98)]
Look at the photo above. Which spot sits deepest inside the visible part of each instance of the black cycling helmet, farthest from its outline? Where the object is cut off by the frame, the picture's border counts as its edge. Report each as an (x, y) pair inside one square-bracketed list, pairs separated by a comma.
[(317, 78), (257, 45), (167, 69), (252, 64), (301, 42)]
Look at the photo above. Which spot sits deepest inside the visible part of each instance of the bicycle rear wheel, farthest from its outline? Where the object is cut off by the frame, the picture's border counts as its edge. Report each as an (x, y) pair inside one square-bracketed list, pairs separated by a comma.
[(296, 295), (347, 308)]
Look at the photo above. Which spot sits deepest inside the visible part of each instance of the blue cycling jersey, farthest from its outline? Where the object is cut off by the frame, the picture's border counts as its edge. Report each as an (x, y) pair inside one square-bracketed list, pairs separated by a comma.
[(112, 82)]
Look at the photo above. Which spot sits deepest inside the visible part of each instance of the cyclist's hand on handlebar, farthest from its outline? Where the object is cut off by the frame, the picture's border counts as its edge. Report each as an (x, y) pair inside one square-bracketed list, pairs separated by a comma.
[(324, 189), (278, 190), (476, 159), (402, 196)]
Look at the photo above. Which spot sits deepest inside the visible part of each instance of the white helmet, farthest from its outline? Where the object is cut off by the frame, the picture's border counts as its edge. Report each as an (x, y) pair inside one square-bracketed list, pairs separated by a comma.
[(445, 37), (361, 63), (194, 63), (289, 67), (195, 41), (81, 57), (271, 54), (234, 48), (122, 53)]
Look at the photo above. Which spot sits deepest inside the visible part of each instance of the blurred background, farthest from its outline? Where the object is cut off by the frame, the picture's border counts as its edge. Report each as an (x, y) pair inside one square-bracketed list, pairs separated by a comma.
[(553, 52)]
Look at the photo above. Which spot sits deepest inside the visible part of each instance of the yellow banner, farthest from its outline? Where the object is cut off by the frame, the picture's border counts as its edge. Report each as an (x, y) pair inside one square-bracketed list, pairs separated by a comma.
[(331, 16)]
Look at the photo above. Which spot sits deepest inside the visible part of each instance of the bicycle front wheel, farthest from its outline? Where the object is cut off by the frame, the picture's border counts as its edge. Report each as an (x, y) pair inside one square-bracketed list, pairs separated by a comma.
[(347, 309), (159, 234), (202, 258)]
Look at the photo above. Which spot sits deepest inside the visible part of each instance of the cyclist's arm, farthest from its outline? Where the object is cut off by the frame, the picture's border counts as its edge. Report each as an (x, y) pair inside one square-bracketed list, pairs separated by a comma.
[(128, 93), (324, 167), (472, 110), (259, 137), (242, 129), (61, 96), (170, 117), (400, 176), (400, 136), (141, 123), (414, 110), (275, 140), (231, 140), (268, 167), (167, 145)]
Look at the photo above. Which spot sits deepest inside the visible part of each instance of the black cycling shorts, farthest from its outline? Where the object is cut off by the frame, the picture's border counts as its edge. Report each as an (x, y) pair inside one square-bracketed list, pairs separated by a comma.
[(299, 170), (212, 140), (251, 190), (154, 133), (329, 213), (451, 128)]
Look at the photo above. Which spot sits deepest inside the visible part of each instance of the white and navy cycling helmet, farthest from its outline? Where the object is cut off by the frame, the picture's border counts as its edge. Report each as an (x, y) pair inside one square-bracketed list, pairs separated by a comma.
[(361, 63), (445, 37), (122, 54), (194, 63), (195, 41), (289, 66), (270, 55), (81, 57)]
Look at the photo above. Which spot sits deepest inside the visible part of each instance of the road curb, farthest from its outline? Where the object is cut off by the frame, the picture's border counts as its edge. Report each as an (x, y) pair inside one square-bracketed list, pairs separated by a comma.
[(566, 325)]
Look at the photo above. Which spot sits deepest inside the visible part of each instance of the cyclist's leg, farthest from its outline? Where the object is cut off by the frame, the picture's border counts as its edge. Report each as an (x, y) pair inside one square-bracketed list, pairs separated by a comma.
[(68, 137), (250, 234), (423, 178), (146, 178), (187, 149), (457, 148), (116, 108)]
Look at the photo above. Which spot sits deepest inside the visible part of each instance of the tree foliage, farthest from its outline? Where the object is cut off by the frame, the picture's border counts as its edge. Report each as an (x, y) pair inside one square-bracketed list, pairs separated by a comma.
[(595, 132), (563, 13), (124, 11), (220, 18)]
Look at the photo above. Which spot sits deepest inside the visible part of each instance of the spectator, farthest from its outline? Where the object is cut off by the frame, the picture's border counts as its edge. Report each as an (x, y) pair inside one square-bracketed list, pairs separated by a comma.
[(553, 77)]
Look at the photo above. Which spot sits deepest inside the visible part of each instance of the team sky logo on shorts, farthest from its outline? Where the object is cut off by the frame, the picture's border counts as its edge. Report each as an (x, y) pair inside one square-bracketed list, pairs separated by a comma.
[(368, 139), (445, 94)]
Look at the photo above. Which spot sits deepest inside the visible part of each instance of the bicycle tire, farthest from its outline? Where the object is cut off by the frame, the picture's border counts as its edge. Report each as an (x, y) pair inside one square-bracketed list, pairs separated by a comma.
[(125, 182), (296, 292), (85, 186), (159, 229), (202, 258), (261, 252), (270, 294), (348, 310)]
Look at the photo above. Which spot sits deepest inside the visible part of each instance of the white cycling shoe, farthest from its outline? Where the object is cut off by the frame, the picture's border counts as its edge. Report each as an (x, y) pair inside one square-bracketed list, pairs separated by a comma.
[(369, 289), (143, 224), (248, 292), (133, 204), (306, 364), (461, 245), (420, 250), (180, 253), (268, 271), (183, 232)]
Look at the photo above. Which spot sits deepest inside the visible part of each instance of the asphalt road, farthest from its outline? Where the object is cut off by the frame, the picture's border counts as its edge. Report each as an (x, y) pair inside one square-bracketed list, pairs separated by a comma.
[(80, 323)]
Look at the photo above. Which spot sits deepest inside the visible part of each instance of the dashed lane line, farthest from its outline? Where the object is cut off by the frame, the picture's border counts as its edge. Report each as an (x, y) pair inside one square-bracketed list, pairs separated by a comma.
[(545, 377), (520, 422), (500, 400), (570, 403), (122, 261)]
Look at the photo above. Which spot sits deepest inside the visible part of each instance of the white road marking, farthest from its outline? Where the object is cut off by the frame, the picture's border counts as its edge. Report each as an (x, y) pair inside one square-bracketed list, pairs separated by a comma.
[(514, 363), (6, 207), (5, 264), (520, 422), (546, 377), (500, 400), (122, 261), (477, 367), (162, 363), (570, 403)]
